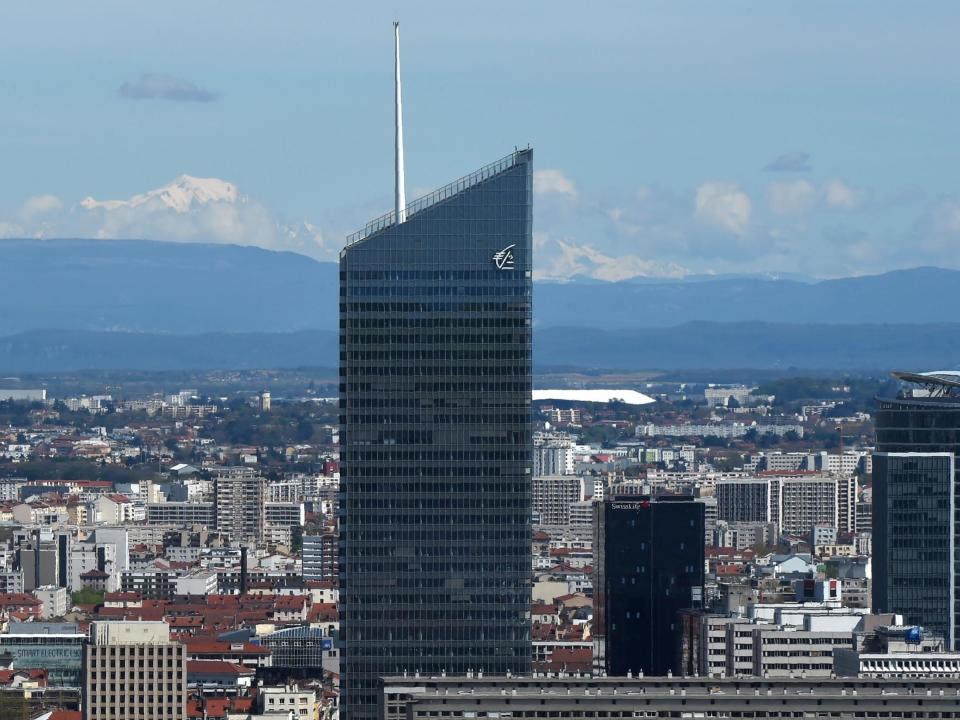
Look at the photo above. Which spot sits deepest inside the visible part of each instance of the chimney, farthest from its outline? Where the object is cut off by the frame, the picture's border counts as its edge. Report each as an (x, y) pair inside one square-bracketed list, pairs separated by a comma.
[(243, 569), (36, 560)]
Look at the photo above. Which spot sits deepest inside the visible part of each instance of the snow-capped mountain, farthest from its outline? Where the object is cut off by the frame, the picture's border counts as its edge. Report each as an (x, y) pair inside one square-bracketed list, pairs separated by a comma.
[(187, 209), (182, 195)]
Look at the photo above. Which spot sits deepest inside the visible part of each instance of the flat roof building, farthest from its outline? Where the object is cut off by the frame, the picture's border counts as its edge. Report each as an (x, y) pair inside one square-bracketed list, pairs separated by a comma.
[(133, 671), (420, 698)]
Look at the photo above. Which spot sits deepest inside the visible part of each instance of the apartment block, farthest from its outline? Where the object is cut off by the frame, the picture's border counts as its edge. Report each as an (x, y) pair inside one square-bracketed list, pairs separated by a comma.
[(133, 671)]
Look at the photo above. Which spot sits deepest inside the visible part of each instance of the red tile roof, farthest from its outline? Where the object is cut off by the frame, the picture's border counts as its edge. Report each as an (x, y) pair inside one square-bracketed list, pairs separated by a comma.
[(208, 647), (218, 667)]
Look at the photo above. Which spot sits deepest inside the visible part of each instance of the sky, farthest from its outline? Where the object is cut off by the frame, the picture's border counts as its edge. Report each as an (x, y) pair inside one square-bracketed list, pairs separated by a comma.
[(812, 139)]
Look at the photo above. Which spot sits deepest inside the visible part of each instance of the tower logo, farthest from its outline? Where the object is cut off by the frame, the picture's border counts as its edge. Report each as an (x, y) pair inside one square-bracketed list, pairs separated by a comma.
[(503, 259)]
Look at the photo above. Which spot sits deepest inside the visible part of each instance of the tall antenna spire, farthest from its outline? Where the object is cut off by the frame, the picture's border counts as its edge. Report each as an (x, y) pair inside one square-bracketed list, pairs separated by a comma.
[(401, 195)]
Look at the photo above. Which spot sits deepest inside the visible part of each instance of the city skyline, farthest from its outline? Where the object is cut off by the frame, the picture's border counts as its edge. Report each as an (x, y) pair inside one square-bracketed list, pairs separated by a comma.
[(237, 480), (738, 147)]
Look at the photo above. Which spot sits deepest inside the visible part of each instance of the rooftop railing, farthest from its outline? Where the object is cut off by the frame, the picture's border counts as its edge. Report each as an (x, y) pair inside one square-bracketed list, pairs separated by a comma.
[(437, 196)]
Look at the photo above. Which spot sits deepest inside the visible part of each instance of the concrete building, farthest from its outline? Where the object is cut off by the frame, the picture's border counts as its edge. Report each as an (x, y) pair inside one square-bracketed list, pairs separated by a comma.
[(181, 514), (703, 643), (240, 499), (743, 535), (42, 557), (711, 513), (901, 651), (319, 557), (23, 395), (292, 701), (772, 639), (421, 697), (795, 503), (104, 550), (787, 462), (54, 601), (282, 521), (553, 495), (581, 514), (726, 430), (553, 458), (788, 652), (153, 584), (198, 582), (133, 671), (721, 396)]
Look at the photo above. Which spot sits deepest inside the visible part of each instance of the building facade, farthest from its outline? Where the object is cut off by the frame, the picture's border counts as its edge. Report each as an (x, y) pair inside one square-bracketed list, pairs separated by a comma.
[(553, 496), (133, 671), (915, 530), (240, 499), (914, 542), (561, 698), (319, 557), (648, 566), (435, 429)]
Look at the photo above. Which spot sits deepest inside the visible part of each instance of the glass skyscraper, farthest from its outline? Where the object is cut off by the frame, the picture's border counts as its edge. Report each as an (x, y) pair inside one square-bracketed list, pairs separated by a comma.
[(916, 530), (648, 566), (913, 542), (435, 394)]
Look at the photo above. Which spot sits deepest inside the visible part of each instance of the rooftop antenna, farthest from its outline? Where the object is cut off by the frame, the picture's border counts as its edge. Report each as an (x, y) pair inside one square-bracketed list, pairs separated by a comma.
[(400, 197)]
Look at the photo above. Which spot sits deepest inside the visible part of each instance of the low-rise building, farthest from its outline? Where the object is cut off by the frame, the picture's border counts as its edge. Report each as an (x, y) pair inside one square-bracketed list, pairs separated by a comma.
[(415, 697)]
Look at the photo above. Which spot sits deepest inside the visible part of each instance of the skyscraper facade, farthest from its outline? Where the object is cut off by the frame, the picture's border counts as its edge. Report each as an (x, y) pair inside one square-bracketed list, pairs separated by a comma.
[(913, 545), (916, 569), (648, 566), (435, 394)]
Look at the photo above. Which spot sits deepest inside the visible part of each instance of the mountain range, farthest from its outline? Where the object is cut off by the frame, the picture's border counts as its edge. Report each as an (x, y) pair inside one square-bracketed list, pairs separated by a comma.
[(69, 304)]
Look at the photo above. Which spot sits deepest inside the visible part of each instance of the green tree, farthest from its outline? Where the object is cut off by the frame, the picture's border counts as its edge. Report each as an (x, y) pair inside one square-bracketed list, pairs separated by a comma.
[(87, 596)]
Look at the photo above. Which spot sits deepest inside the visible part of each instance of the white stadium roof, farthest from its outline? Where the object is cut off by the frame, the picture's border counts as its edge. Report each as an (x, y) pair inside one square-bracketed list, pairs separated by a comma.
[(630, 397)]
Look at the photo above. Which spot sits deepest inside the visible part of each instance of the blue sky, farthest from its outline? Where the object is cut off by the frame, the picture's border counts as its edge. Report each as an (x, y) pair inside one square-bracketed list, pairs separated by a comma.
[(652, 124)]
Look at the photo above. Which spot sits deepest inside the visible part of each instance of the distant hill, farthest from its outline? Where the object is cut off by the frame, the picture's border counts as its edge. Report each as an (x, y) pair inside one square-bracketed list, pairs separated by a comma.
[(146, 286), (185, 288), (714, 346), (63, 350), (926, 295), (754, 345), (70, 304)]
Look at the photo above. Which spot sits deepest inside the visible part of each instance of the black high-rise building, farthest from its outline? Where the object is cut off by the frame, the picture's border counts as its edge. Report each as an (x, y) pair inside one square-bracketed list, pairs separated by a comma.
[(648, 566), (435, 395), (916, 529)]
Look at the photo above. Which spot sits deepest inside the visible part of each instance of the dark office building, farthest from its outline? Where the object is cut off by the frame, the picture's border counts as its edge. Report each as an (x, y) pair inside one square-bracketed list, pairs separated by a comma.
[(915, 527), (648, 566), (435, 431)]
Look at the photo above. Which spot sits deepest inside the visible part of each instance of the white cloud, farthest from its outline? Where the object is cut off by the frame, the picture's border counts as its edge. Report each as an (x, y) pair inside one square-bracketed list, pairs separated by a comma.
[(553, 182), (153, 86), (11, 230), (838, 194), (723, 205), (791, 197), (40, 205)]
